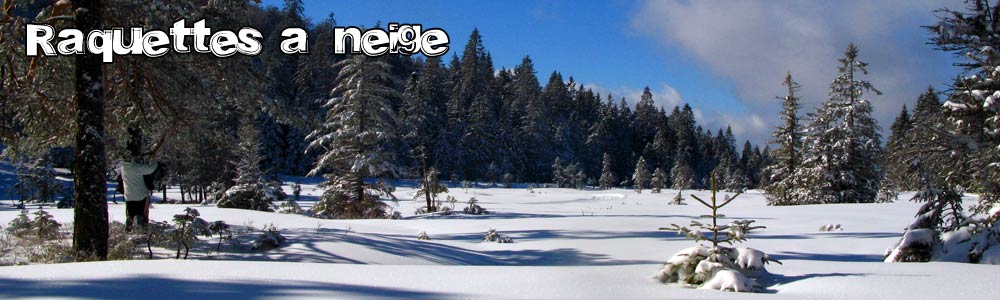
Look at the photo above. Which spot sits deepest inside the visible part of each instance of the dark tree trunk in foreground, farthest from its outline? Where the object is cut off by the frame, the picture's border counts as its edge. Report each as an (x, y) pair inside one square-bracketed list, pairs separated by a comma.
[(90, 218)]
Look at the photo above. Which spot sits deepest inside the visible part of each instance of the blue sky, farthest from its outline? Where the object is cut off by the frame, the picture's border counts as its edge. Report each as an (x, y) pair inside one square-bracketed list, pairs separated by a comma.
[(725, 58)]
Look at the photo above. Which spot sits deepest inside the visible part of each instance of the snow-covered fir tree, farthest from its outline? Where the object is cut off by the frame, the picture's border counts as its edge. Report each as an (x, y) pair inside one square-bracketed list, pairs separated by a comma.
[(966, 129), (659, 181), (557, 173), (359, 120), (899, 139), (717, 266), (781, 184), (842, 144), (252, 189), (973, 106), (659, 153), (641, 175), (608, 179), (421, 117), (731, 176), (682, 174)]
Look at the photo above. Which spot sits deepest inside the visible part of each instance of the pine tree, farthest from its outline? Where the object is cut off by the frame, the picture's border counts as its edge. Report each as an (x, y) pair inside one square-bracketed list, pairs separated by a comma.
[(278, 64), (253, 189), (921, 155), (731, 177), (472, 92), (809, 180), (598, 139), (359, 119), (248, 168), (641, 175), (557, 173), (972, 107), (90, 226), (566, 124), (421, 118), (850, 147), (788, 155), (957, 149), (608, 179), (529, 118), (899, 140), (682, 174), (659, 181), (746, 166), (508, 155), (646, 117)]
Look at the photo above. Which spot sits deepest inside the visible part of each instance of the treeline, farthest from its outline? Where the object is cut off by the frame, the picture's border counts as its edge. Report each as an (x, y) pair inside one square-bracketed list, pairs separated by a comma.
[(942, 149), (461, 117), (472, 122)]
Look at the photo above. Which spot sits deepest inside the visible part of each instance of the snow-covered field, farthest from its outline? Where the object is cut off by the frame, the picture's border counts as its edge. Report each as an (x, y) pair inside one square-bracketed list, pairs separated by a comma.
[(568, 244)]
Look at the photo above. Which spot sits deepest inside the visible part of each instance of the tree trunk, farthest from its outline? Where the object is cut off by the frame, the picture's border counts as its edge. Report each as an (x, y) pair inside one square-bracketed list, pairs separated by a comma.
[(427, 186), (90, 217)]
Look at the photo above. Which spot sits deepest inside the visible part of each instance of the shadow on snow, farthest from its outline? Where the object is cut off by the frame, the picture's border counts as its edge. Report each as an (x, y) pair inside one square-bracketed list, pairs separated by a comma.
[(156, 287), (440, 253)]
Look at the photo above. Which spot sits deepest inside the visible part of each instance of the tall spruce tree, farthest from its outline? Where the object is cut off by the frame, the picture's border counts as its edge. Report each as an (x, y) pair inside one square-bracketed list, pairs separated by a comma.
[(849, 148), (421, 116), (359, 120), (900, 138), (787, 156), (473, 97), (682, 174)]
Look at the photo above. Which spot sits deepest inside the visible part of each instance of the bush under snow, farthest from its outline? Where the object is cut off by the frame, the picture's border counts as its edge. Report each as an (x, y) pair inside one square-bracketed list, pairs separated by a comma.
[(473, 208), (270, 238), (256, 196), (724, 268), (493, 236)]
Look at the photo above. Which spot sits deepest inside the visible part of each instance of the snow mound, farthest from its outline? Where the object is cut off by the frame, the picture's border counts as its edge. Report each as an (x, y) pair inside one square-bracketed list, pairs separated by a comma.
[(730, 280)]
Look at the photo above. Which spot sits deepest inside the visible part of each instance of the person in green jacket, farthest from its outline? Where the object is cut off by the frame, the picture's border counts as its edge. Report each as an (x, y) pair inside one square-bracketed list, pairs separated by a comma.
[(133, 168)]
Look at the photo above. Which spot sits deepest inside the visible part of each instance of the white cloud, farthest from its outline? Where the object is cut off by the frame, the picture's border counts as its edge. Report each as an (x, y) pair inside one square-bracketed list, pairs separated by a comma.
[(753, 43)]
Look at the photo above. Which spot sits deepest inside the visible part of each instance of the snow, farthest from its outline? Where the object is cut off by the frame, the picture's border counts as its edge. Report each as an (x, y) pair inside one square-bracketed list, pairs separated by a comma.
[(729, 280), (568, 244), (921, 236), (750, 259), (955, 245)]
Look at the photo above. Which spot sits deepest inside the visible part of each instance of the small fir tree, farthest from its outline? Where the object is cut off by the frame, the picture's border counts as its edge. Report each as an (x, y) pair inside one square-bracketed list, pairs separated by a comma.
[(659, 181), (641, 175), (716, 267), (608, 178), (252, 190)]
